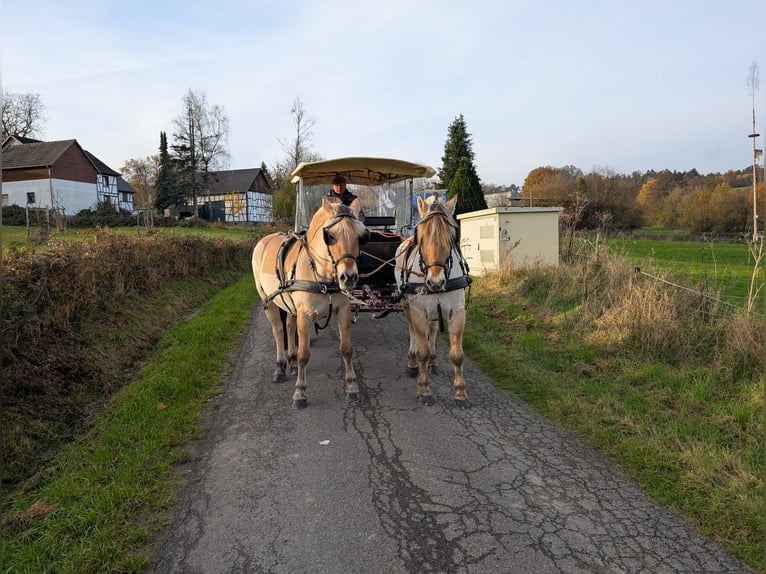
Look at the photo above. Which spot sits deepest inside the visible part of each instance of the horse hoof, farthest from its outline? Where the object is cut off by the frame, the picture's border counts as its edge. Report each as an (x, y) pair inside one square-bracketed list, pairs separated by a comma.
[(412, 372), (278, 378), (463, 405), (426, 401), (300, 404), (352, 397), (293, 370)]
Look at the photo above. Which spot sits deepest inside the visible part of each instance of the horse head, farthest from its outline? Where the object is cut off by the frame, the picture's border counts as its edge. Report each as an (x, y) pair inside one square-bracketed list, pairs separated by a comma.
[(342, 233), (436, 236)]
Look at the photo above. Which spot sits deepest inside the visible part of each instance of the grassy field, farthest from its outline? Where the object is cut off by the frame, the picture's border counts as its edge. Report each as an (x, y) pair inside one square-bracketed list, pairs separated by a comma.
[(723, 267)]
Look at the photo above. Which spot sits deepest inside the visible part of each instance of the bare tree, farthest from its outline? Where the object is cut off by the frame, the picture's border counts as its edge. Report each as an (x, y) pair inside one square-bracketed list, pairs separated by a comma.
[(201, 135), (22, 114), (297, 149)]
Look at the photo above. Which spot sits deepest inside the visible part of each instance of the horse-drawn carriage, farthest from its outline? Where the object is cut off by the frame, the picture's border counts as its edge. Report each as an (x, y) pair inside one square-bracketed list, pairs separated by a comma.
[(387, 190), (376, 254)]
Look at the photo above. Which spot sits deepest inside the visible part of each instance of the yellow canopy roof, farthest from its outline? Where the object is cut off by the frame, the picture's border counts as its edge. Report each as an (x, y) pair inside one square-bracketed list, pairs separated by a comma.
[(360, 170)]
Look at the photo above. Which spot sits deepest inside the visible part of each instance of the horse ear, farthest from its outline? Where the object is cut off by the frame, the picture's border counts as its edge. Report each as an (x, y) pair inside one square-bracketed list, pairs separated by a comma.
[(450, 205), (422, 207), (356, 207), (326, 203)]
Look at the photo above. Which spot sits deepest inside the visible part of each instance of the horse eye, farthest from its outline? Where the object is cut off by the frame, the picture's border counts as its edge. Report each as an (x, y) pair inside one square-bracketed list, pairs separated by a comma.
[(330, 239)]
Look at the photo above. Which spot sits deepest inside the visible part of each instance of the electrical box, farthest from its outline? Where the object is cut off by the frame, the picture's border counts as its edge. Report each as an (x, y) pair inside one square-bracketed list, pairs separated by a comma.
[(521, 236)]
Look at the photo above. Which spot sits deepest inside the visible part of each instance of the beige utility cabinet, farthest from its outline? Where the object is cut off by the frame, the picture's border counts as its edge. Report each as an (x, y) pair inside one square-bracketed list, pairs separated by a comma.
[(488, 236)]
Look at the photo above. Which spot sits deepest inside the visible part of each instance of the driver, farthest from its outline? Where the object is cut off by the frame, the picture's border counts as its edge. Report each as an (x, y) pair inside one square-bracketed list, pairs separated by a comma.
[(339, 190)]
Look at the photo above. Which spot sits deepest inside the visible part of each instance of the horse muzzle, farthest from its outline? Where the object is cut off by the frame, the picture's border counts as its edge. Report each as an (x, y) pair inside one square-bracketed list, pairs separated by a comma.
[(347, 272)]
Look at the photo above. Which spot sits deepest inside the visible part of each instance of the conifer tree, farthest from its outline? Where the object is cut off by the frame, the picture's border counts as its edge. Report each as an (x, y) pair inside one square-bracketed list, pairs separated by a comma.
[(166, 186), (457, 146), (467, 187)]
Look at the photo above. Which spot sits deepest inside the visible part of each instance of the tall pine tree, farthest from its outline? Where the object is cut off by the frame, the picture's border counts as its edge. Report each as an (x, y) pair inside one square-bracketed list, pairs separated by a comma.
[(166, 186), (458, 173), (467, 187), (458, 145)]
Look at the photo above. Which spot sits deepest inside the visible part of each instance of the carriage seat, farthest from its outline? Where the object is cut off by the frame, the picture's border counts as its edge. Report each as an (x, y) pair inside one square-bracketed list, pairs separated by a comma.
[(385, 221)]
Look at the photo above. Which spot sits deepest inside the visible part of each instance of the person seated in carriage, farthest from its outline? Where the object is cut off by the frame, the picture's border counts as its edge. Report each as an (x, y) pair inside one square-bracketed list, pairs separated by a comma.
[(339, 190)]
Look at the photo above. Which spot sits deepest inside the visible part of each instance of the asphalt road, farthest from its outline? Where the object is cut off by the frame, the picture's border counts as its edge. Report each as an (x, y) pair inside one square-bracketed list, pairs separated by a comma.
[(387, 486)]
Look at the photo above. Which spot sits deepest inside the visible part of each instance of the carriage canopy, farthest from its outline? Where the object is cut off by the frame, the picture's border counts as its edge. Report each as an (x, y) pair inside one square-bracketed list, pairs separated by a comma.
[(385, 186)]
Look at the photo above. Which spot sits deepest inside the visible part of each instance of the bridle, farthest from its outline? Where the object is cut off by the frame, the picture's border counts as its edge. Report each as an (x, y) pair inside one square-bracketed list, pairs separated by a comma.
[(342, 213), (453, 243)]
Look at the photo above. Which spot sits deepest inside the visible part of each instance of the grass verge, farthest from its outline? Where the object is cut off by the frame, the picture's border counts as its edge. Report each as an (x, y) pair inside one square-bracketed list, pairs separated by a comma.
[(91, 509), (688, 426)]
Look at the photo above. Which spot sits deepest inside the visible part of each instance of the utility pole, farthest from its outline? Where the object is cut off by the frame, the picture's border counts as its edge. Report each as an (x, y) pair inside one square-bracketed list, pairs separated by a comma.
[(753, 82)]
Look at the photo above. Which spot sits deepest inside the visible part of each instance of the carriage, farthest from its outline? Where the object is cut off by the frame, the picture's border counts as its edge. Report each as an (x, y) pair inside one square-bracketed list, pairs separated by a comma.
[(387, 190), (377, 254)]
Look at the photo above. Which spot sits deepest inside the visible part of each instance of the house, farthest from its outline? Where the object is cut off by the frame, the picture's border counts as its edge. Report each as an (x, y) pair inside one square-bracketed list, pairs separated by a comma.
[(59, 175), (237, 196)]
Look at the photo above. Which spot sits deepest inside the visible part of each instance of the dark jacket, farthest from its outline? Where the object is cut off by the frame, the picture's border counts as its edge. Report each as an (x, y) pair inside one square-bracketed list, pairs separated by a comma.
[(346, 197)]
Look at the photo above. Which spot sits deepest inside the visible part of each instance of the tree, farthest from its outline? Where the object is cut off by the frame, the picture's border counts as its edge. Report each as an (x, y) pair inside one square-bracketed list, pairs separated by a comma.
[(466, 186), (141, 174), (458, 145), (22, 114), (550, 186), (201, 134), (166, 187), (297, 150)]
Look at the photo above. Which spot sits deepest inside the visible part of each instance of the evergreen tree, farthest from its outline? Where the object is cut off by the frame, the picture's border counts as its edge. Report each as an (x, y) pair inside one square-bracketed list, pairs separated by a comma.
[(166, 186), (466, 186), (457, 146)]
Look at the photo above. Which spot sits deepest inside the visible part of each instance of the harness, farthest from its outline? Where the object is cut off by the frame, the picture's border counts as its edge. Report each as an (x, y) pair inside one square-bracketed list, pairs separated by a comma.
[(462, 281), (287, 281)]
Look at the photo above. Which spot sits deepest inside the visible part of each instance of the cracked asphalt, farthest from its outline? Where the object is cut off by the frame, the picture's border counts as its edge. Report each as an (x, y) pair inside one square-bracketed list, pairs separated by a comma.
[(386, 486)]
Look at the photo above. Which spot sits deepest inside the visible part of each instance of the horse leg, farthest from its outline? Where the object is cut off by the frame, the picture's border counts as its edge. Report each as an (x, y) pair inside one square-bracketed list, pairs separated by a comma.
[(420, 328), (291, 341), (412, 351), (347, 351), (456, 326), (273, 315), (432, 328), (304, 323)]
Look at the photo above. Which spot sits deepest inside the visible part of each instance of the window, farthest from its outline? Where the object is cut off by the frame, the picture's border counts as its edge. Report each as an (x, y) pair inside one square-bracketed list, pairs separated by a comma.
[(5, 199)]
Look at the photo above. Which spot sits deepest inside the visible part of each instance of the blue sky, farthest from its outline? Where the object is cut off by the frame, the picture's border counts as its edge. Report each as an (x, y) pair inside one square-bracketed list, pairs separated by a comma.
[(597, 84)]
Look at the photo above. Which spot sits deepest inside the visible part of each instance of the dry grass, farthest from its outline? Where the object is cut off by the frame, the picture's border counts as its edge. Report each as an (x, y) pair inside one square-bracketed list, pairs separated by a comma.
[(665, 380)]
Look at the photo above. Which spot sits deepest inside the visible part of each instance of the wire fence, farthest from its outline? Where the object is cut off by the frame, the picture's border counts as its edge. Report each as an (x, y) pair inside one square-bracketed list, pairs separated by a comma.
[(698, 292)]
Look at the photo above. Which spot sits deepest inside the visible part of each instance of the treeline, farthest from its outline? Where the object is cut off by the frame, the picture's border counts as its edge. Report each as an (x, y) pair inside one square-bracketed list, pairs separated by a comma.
[(607, 200)]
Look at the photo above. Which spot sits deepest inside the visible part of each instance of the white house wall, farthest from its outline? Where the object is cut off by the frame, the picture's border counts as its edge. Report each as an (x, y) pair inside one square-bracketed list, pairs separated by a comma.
[(73, 196)]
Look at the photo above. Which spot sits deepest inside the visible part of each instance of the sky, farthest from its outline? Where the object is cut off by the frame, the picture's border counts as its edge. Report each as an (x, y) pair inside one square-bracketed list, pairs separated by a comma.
[(598, 84)]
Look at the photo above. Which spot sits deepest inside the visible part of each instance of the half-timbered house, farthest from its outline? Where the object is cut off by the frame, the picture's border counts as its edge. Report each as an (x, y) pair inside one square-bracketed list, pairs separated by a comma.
[(58, 175), (237, 196)]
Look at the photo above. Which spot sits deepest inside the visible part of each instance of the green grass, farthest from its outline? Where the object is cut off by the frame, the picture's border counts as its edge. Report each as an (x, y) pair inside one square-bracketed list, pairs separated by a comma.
[(16, 235), (724, 267), (92, 509), (690, 432)]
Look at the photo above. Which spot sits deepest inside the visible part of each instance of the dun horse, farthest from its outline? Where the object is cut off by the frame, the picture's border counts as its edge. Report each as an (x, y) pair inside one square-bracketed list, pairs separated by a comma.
[(433, 277), (310, 277)]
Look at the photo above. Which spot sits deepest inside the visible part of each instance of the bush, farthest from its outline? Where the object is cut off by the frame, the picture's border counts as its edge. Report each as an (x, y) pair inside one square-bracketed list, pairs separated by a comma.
[(14, 215), (63, 321), (103, 215)]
